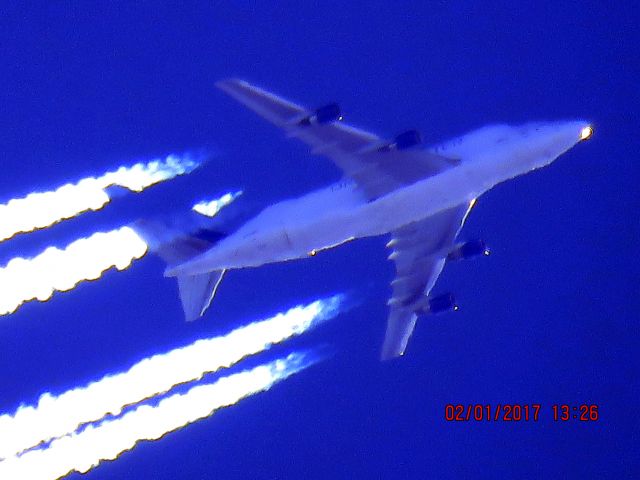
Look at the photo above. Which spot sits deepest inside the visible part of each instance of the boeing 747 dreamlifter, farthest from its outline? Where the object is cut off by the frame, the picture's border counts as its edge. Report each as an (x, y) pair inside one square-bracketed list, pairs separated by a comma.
[(419, 196)]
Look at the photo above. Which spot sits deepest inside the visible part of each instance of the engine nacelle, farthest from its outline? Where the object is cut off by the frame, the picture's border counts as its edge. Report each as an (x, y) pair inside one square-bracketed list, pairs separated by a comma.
[(327, 114), (405, 140), (468, 250), (441, 303)]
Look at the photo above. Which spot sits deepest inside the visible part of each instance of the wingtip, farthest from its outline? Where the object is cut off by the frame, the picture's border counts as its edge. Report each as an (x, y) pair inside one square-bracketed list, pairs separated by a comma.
[(387, 356), (191, 316), (228, 84), (170, 272), (391, 352)]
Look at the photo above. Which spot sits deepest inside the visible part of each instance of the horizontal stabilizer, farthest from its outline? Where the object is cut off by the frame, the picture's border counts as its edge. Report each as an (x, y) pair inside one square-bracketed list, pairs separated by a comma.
[(174, 245), (197, 292)]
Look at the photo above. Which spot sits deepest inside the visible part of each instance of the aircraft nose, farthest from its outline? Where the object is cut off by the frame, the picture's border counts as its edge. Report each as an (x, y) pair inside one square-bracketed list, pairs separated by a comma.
[(586, 132)]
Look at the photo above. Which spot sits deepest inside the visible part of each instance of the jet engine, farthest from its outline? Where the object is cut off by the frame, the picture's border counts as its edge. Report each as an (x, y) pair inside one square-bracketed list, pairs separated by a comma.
[(441, 303), (405, 140), (327, 114), (468, 249)]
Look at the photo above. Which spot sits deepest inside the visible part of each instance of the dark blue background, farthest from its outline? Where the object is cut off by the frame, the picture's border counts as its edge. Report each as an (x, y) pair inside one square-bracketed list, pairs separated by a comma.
[(550, 317)]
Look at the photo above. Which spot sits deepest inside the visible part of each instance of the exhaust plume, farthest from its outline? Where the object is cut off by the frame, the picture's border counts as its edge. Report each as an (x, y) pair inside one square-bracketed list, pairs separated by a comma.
[(43, 209), (57, 416), (81, 451)]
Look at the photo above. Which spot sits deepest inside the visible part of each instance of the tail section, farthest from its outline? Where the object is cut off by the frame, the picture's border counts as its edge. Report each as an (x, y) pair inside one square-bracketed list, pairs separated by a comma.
[(176, 246)]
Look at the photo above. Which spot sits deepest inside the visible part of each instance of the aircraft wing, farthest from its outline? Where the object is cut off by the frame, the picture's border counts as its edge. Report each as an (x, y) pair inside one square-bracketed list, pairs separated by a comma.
[(419, 252), (376, 167)]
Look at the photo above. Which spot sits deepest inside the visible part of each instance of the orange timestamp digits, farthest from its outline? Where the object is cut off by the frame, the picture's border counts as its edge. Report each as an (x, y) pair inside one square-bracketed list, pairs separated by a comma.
[(517, 412), (582, 413), (510, 412)]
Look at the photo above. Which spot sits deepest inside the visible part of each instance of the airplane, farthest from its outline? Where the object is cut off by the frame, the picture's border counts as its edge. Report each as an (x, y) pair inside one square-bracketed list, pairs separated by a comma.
[(420, 196)]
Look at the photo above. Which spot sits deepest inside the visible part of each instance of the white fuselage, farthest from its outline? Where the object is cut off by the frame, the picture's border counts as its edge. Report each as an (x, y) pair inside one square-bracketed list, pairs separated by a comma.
[(331, 216)]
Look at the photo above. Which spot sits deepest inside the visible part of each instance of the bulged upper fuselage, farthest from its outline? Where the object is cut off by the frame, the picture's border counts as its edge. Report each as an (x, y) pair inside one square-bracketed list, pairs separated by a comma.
[(328, 217)]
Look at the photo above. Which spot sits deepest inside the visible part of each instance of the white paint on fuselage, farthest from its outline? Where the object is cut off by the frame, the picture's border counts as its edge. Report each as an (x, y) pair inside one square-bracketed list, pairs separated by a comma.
[(340, 195), (331, 216)]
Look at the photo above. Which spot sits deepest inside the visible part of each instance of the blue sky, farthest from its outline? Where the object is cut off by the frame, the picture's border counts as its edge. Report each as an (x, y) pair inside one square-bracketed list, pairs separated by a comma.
[(550, 317)]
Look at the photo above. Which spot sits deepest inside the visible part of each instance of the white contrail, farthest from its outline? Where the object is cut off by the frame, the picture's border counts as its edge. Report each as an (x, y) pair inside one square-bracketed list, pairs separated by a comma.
[(84, 450), (24, 279), (57, 416), (211, 208), (42, 209)]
